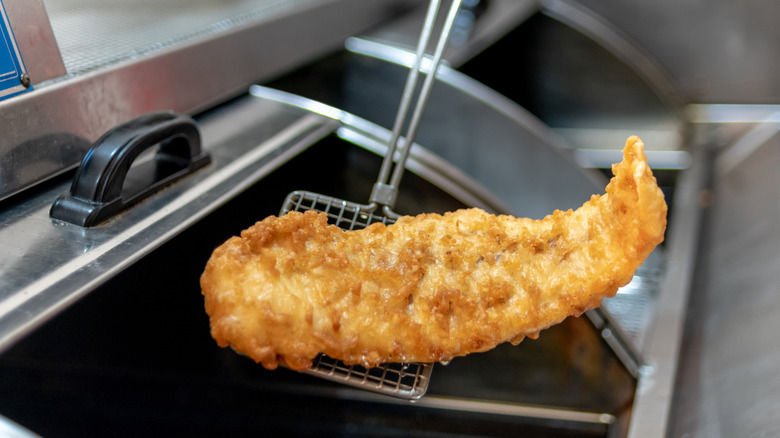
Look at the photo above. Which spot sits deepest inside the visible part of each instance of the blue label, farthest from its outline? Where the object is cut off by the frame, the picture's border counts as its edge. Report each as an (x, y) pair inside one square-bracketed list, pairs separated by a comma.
[(12, 69)]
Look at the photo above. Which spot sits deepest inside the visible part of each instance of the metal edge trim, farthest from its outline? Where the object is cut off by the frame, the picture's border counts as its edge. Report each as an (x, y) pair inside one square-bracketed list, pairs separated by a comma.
[(490, 407), (655, 388)]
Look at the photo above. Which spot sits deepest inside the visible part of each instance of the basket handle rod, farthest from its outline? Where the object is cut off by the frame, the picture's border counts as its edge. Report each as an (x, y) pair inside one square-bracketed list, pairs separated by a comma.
[(385, 193)]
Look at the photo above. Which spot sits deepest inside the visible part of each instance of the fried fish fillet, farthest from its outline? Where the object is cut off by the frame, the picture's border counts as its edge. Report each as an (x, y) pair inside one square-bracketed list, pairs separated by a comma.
[(431, 287)]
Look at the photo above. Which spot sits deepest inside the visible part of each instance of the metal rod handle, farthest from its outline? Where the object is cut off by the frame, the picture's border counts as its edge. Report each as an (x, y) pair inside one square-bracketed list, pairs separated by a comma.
[(409, 88), (383, 192)]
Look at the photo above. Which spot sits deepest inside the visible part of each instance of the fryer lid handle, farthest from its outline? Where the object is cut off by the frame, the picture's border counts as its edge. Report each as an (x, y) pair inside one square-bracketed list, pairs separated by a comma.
[(101, 189)]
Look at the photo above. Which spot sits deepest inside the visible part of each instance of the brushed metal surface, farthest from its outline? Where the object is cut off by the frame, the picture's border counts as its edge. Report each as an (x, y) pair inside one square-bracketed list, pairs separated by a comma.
[(717, 51), (728, 383)]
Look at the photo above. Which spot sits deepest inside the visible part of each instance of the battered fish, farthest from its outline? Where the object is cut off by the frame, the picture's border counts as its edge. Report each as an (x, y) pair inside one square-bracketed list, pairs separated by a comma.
[(431, 287)]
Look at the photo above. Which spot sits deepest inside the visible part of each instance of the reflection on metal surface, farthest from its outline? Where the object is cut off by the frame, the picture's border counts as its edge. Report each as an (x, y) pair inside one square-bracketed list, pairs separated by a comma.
[(43, 154)]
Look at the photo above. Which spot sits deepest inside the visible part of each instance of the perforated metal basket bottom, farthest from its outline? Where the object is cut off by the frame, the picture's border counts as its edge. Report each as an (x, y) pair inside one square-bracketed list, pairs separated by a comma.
[(403, 380)]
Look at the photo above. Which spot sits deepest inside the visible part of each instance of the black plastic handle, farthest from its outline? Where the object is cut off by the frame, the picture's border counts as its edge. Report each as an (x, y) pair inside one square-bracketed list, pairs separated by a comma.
[(101, 188)]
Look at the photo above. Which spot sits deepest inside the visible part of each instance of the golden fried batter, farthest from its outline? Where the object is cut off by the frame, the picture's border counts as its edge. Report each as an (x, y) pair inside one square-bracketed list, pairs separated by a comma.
[(430, 287)]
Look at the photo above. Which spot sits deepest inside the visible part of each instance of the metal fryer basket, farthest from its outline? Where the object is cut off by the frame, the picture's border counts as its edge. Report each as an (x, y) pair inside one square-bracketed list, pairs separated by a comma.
[(403, 380)]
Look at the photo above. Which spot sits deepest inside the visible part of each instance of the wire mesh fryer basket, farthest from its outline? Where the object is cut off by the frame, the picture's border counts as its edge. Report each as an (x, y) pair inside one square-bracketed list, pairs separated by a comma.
[(402, 380)]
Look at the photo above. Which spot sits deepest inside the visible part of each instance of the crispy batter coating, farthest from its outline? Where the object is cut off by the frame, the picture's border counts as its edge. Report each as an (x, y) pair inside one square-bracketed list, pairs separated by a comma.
[(430, 287)]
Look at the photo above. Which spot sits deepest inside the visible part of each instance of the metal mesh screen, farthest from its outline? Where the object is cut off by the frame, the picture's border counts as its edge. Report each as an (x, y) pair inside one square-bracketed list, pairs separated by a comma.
[(402, 380)]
